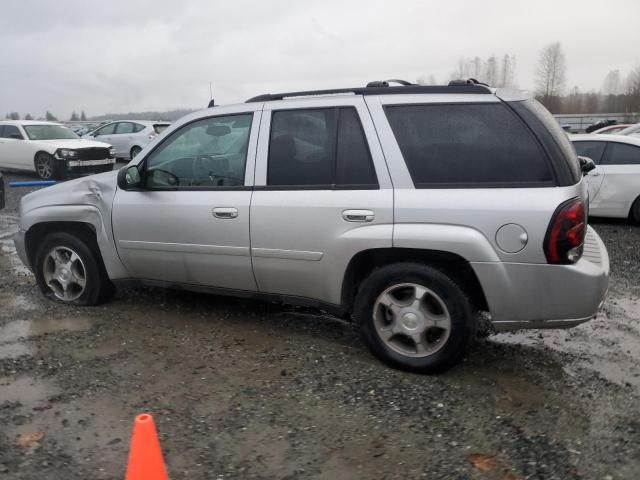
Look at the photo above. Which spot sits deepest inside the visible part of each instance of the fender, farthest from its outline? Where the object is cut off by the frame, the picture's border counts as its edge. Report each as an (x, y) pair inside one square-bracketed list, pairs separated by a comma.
[(465, 242), (87, 214)]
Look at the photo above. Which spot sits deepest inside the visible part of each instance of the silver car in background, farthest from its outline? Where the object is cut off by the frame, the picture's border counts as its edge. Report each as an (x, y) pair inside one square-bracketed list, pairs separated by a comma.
[(128, 137), (410, 209)]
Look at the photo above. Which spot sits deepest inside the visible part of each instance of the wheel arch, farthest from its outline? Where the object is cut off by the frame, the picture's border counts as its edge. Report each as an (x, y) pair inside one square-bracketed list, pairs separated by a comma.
[(634, 204), (452, 264), (83, 230)]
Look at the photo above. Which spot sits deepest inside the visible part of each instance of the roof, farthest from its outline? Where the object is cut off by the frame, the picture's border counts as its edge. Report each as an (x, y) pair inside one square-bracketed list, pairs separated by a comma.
[(28, 122), (384, 88), (605, 137), (143, 122)]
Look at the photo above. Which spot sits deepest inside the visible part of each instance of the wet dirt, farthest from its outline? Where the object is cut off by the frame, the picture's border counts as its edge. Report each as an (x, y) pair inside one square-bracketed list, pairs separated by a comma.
[(246, 389)]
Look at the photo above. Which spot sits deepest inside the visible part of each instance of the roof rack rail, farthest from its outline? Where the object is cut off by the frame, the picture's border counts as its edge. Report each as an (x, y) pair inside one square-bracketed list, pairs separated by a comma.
[(384, 88), (468, 81)]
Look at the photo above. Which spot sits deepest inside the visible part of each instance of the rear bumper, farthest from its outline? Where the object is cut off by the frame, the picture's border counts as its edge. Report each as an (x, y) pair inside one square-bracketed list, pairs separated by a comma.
[(546, 296)]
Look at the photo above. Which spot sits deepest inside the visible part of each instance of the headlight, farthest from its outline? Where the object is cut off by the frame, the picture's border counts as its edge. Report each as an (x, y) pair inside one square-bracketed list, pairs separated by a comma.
[(112, 152), (66, 153)]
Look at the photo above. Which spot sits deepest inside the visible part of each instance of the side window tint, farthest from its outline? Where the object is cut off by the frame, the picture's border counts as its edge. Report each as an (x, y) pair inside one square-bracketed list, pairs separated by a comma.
[(319, 148), (593, 150), (124, 127), (467, 144), (107, 130), (621, 154), (302, 147), (354, 165), (211, 152), (11, 131)]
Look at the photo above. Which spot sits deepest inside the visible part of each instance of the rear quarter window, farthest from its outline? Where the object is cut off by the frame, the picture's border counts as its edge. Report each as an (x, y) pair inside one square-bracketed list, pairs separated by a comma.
[(482, 145), (592, 150)]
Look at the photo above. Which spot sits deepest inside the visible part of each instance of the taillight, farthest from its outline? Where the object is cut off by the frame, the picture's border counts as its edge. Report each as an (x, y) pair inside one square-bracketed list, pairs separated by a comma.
[(565, 235)]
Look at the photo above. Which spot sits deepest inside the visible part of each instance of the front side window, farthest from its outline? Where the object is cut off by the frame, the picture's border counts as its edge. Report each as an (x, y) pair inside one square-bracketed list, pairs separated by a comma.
[(621, 154), (211, 152), (320, 148), (49, 132), (481, 145), (592, 150), (107, 129)]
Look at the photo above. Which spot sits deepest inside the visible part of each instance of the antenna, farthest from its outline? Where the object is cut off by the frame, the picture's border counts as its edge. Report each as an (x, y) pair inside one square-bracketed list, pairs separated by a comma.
[(211, 102)]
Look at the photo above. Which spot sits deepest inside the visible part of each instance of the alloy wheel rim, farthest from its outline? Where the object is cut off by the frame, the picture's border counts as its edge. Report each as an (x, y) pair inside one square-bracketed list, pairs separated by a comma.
[(65, 274), (412, 320), (44, 167)]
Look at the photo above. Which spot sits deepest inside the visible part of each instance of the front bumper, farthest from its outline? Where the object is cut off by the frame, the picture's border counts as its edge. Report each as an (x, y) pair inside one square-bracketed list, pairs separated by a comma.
[(523, 295), (80, 167)]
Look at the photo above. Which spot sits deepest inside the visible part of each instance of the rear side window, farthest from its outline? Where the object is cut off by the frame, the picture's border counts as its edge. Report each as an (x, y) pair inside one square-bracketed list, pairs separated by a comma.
[(483, 145), (593, 150), (125, 127), (10, 131), (553, 138), (621, 154), (319, 148), (137, 127)]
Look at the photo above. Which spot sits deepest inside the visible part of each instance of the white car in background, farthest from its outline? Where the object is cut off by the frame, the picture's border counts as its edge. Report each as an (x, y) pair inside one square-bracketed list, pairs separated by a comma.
[(614, 185), (128, 137), (51, 150), (631, 130)]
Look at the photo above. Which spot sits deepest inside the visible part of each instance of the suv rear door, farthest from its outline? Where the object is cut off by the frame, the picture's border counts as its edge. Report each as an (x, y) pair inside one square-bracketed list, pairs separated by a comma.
[(322, 194)]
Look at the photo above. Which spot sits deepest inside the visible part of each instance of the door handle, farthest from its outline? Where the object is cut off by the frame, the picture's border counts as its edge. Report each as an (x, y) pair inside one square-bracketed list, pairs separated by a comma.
[(225, 212), (358, 215)]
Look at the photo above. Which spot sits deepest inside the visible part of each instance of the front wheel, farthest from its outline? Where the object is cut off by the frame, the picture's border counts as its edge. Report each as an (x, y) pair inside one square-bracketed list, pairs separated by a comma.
[(69, 271), (47, 167), (414, 317)]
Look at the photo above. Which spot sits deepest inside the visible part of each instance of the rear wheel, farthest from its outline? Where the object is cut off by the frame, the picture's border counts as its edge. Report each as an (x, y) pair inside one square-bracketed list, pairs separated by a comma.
[(69, 271), (135, 151), (414, 317), (47, 167), (635, 210)]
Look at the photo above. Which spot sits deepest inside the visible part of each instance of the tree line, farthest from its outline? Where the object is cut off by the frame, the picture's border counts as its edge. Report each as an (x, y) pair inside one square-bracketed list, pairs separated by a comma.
[(48, 116), (619, 93)]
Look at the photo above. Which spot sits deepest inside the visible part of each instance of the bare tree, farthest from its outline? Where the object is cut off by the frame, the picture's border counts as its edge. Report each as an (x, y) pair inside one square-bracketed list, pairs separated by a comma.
[(551, 71), (507, 73), (491, 73), (28, 117), (612, 83)]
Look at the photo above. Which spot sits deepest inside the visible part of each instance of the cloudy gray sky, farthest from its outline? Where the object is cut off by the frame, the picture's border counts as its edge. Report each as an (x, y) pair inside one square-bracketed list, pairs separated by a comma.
[(120, 56)]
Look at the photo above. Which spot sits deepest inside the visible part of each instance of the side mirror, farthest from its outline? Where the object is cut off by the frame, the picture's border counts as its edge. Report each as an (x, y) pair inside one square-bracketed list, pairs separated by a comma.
[(586, 164), (129, 178)]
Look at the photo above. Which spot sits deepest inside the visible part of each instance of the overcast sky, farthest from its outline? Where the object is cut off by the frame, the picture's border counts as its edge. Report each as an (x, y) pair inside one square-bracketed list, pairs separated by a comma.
[(134, 55)]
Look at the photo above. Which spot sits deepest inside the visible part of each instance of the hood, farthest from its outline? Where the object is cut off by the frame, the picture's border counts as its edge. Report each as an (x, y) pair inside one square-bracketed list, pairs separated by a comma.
[(75, 143), (97, 190)]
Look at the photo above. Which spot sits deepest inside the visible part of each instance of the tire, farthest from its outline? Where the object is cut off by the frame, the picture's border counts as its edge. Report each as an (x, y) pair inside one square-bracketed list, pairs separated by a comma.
[(442, 318), (47, 167), (635, 211), (77, 277), (134, 151)]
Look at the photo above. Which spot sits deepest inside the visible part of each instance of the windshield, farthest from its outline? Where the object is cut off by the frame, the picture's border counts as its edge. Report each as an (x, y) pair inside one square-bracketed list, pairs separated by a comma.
[(49, 132)]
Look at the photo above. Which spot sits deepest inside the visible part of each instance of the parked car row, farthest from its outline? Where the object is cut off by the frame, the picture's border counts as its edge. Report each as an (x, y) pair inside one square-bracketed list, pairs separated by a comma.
[(54, 151)]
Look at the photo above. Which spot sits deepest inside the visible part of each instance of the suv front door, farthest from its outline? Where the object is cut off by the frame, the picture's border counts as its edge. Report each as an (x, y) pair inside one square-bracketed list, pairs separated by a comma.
[(189, 224), (322, 194)]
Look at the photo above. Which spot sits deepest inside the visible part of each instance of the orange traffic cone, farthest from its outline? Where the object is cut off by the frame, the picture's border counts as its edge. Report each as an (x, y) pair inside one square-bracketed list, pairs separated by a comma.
[(145, 456)]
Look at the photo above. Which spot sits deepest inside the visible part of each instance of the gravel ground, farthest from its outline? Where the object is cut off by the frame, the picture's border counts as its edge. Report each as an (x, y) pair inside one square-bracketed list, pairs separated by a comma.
[(244, 389)]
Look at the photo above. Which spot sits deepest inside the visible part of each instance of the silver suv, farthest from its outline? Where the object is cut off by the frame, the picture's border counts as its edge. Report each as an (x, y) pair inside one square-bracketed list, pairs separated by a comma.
[(410, 209)]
